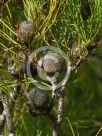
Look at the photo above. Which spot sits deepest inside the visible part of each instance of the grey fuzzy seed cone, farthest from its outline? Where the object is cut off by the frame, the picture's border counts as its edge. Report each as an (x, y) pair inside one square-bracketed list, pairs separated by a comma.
[(52, 63), (26, 28), (38, 99)]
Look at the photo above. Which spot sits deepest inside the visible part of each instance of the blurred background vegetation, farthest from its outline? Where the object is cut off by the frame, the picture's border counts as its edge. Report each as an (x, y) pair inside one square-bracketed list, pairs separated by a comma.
[(58, 23)]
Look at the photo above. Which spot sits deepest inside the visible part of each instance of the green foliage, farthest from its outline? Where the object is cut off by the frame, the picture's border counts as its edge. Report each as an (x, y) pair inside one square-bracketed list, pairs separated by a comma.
[(57, 23)]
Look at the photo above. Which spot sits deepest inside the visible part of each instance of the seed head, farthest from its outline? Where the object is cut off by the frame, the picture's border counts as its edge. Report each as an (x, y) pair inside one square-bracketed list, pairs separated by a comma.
[(51, 64), (38, 99), (26, 28)]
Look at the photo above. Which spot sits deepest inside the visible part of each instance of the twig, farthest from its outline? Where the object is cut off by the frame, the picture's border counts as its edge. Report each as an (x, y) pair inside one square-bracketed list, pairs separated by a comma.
[(8, 104), (99, 131), (56, 130), (61, 104), (90, 49), (8, 115), (53, 118), (58, 120), (2, 122), (2, 116), (77, 64)]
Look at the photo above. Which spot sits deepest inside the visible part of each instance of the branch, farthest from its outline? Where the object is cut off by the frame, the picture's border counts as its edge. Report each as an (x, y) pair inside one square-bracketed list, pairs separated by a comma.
[(53, 118), (2, 122), (61, 105), (8, 104), (90, 49), (8, 114)]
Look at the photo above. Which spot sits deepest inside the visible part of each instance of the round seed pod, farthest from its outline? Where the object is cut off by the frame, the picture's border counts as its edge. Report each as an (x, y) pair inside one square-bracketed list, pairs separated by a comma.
[(51, 63), (75, 51), (26, 29), (38, 99)]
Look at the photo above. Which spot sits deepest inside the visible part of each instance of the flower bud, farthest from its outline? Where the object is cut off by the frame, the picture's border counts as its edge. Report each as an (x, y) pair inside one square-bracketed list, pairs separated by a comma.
[(50, 64), (38, 99), (26, 29)]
